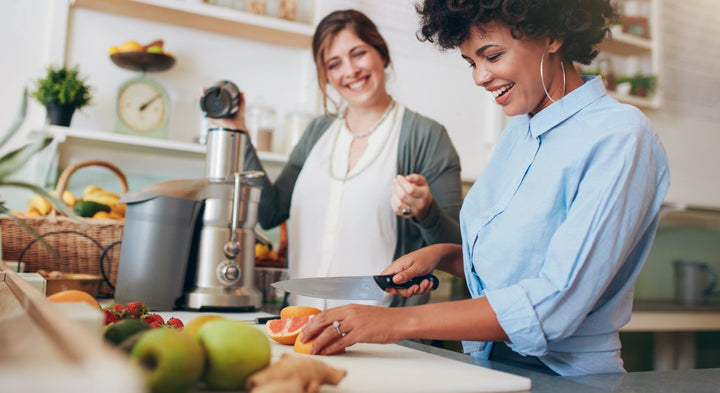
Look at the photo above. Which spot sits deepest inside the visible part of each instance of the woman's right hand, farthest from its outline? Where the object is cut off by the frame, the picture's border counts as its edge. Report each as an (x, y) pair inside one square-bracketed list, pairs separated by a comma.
[(237, 122), (417, 263)]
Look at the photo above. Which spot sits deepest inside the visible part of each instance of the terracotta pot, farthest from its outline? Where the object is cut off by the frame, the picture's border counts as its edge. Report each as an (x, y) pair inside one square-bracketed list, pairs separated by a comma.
[(60, 114)]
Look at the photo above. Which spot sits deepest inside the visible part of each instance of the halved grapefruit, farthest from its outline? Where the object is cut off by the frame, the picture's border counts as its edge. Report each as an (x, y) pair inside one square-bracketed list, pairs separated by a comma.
[(298, 311), (286, 330)]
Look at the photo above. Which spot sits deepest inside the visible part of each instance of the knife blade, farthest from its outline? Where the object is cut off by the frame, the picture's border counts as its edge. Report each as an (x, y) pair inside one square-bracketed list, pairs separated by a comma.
[(348, 288)]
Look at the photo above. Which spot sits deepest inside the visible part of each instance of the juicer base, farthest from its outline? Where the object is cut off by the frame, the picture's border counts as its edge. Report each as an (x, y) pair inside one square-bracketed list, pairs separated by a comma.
[(218, 299)]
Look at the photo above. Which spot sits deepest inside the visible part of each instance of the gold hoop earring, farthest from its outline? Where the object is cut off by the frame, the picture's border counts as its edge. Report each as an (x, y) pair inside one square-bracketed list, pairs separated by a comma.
[(542, 77)]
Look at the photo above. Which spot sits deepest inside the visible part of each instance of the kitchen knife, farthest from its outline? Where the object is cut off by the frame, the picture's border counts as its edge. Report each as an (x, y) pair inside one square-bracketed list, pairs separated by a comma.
[(348, 288)]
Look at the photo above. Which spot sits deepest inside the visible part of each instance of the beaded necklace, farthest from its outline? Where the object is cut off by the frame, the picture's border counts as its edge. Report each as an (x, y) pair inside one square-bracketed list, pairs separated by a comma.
[(375, 127), (372, 129)]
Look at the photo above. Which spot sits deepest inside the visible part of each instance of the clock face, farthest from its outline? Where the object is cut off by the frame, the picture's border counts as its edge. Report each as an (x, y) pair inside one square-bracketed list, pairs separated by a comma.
[(142, 107)]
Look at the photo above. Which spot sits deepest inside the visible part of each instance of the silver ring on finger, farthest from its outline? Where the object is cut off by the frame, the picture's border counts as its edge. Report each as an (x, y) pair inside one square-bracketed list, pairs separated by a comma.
[(336, 325), (406, 210)]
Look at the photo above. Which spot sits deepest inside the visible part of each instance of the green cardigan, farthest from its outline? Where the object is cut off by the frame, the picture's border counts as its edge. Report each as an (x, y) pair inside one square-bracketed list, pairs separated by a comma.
[(424, 148)]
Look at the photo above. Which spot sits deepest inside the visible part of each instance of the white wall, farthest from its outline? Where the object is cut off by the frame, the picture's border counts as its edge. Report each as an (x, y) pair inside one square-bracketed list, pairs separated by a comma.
[(689, 120), (25, 28)]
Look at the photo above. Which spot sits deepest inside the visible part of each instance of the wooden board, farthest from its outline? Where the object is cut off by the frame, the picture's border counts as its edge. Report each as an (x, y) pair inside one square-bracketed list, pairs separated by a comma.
[(43, 351)]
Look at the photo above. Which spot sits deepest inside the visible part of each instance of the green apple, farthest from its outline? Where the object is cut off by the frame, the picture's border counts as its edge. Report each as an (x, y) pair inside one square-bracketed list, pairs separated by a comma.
[(154, 49), (234, 351), (173, 359)]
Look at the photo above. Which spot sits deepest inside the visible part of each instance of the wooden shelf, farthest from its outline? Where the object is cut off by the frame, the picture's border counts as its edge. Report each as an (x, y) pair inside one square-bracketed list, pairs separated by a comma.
[(690, 216), (210, 18), (640, 102), (623, 44)]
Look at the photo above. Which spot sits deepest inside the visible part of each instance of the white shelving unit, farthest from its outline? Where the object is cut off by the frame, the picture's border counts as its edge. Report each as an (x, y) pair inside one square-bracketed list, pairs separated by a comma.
[(138, 155), (623, 46), (207, 17)]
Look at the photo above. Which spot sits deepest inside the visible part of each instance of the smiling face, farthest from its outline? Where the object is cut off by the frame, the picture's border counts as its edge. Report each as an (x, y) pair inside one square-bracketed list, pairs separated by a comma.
[(355, 69), (509, 68)]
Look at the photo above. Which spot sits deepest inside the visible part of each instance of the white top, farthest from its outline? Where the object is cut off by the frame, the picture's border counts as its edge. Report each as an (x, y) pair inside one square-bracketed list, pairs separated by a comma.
[(342, 224)]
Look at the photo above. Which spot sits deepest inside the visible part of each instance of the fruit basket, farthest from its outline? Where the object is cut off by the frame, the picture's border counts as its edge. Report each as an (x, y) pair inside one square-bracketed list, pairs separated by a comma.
[(76, 245)]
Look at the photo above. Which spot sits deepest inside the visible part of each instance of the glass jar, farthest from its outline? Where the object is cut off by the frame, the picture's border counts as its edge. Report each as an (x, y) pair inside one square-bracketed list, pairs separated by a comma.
[(257, 7), (261, 126), (288, 9), (295, 125)]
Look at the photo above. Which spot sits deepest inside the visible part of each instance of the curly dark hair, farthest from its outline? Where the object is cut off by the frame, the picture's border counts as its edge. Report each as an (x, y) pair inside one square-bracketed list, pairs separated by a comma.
[(582, 24)]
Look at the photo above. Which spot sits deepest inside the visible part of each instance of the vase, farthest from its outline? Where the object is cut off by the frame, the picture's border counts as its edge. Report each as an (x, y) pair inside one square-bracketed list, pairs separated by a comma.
[(59, 114)]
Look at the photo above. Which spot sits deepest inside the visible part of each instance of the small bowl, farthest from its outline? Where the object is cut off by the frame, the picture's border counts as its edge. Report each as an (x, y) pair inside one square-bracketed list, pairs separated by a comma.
[(89, 283), (142, 61)]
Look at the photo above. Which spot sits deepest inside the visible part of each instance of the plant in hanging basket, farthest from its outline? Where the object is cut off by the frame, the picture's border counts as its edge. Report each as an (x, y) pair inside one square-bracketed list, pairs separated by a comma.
[(62, 90)]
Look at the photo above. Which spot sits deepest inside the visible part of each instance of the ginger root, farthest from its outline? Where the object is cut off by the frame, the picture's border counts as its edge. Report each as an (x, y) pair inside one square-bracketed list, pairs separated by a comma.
[(307, 373)]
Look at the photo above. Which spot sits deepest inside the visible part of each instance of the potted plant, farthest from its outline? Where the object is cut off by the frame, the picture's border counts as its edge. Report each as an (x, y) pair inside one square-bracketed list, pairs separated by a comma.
[(62, 91), (641, 85)]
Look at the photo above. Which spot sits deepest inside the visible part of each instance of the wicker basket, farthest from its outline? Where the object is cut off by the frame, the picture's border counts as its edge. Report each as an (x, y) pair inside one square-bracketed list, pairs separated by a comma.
[(89, 246)]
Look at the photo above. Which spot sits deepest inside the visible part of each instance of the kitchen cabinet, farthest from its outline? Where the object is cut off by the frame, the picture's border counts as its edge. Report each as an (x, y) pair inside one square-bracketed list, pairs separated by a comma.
[(215, 19), (625, 54)]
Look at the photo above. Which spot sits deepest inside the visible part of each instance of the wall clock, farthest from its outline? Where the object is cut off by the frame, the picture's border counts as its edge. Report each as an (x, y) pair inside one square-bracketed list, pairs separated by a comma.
[(143, 108)]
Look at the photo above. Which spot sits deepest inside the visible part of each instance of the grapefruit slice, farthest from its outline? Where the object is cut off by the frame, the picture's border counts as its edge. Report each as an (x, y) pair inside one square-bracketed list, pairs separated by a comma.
[(286, 330), (298, 311)]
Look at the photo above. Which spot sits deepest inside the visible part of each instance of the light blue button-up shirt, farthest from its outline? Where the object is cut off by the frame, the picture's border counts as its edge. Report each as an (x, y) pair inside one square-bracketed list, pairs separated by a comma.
[(559, 224)]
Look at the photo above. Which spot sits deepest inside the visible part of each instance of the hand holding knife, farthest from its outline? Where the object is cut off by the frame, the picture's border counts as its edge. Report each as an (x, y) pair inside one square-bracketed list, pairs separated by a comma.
[(349, 288)]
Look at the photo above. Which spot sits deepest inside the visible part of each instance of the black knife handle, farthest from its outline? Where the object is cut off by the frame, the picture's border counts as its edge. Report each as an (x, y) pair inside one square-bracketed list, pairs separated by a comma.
[(386, 281)]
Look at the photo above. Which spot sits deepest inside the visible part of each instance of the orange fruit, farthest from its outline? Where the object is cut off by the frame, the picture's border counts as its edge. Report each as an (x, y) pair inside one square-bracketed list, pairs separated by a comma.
[(298, 311), (286, 330), (73, 295), (301, 347)]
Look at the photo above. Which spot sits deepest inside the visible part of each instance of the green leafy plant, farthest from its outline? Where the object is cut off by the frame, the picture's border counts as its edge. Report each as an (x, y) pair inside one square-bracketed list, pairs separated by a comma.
[(640, 84), (62, 85)]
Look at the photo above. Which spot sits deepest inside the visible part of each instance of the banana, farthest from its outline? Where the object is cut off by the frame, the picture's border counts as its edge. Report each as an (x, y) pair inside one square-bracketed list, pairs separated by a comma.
[(118, 208), (67, 197), (101, 215), (104, 197), (40, 204), (115, 215), (91, 189)]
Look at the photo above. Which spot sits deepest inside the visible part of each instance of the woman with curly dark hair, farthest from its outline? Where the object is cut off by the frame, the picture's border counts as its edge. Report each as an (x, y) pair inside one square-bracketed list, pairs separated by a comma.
[(559, 224)]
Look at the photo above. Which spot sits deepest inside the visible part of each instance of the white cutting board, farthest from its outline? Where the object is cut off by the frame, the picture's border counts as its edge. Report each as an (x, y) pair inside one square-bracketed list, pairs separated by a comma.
[(377, 368), (393, 368)]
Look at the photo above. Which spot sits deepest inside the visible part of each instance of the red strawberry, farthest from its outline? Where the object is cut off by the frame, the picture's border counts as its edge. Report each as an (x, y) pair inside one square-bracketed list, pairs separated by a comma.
[(155, 324), (110, 317), (150, 318), (137, 309), (117, 309), (175, 322)]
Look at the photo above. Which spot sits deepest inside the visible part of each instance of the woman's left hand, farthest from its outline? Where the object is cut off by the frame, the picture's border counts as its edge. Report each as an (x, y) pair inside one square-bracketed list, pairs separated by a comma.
[(411, 196), (355, 323)]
